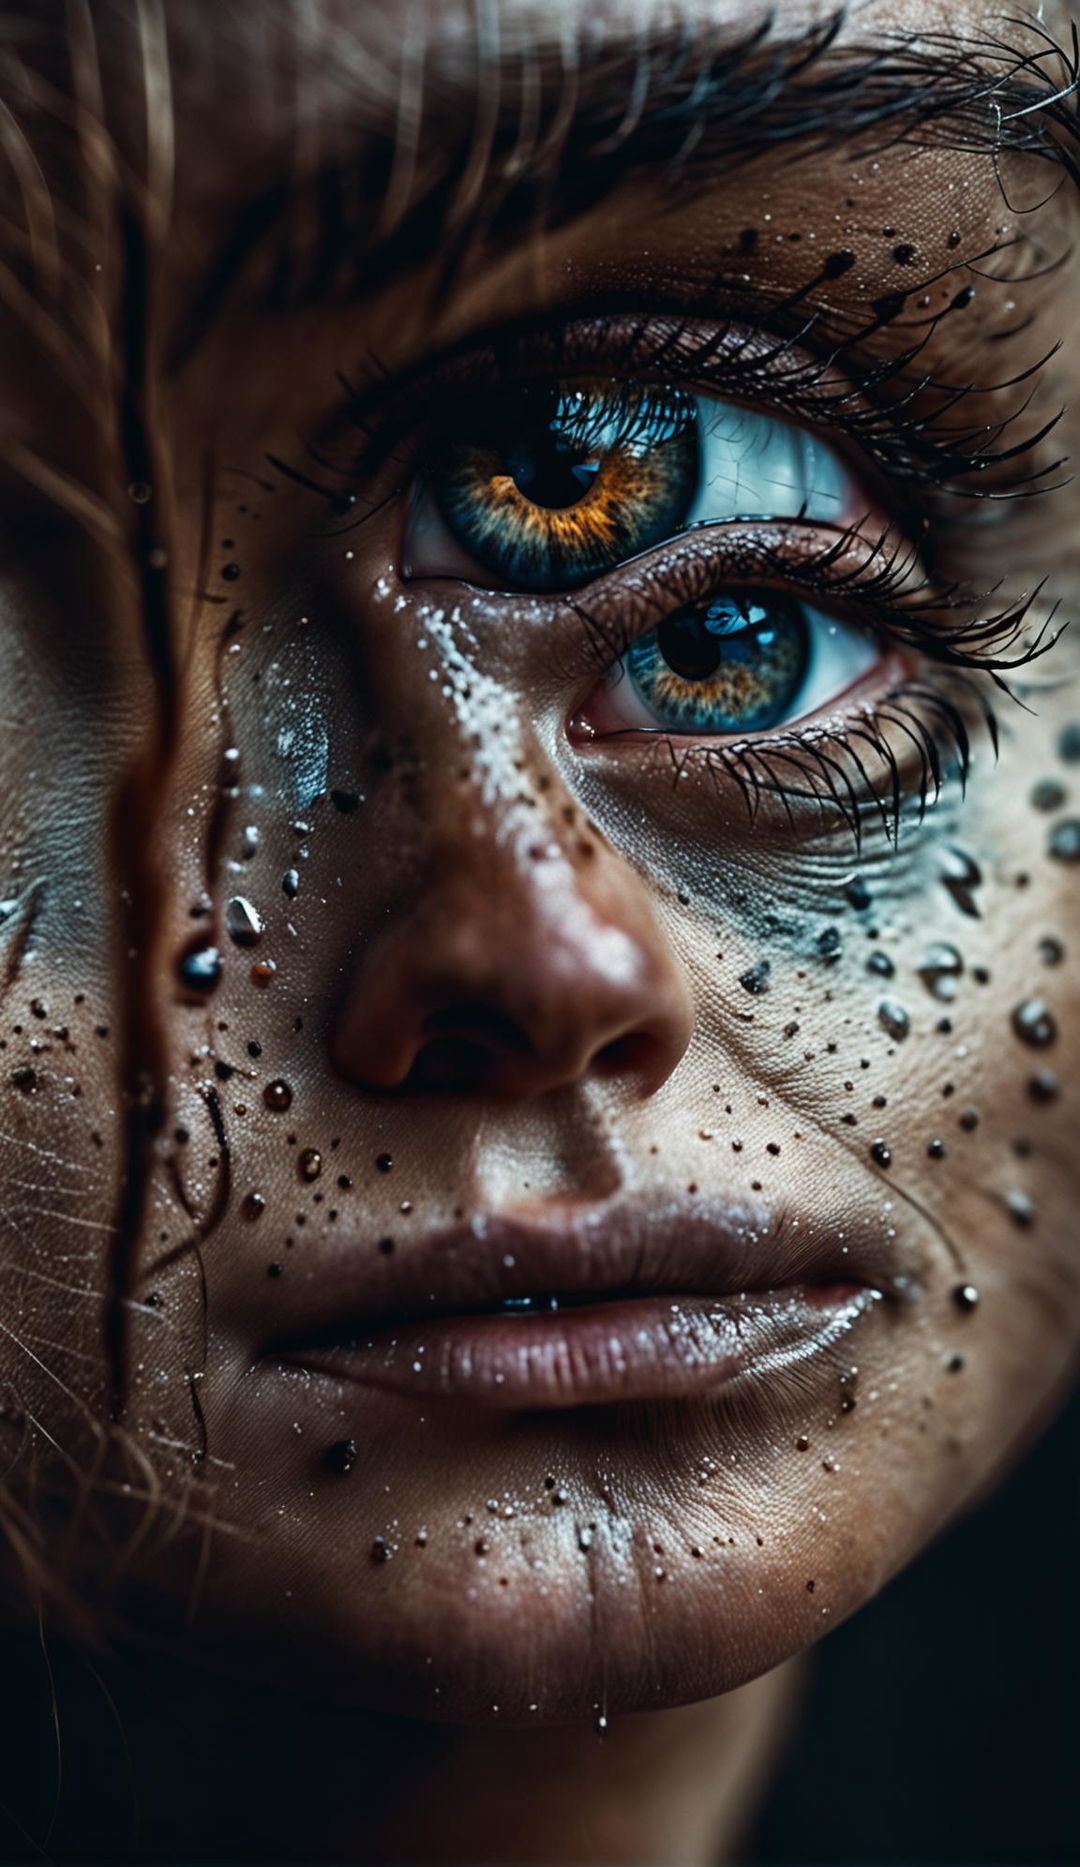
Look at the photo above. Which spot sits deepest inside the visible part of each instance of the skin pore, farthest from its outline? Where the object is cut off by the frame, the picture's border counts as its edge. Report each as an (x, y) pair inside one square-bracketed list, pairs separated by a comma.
[(361, 967)]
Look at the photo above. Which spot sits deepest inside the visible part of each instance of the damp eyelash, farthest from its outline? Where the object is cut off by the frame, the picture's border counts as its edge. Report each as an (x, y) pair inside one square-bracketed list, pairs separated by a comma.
[(903, 424), (886, 592), (849, 769)]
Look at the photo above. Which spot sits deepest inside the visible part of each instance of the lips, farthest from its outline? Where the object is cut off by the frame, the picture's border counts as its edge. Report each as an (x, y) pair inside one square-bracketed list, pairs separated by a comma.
[(644, 1300)]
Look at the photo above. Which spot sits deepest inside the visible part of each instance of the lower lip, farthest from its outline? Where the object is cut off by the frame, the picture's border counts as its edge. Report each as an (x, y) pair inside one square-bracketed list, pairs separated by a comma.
[(648, 1348)]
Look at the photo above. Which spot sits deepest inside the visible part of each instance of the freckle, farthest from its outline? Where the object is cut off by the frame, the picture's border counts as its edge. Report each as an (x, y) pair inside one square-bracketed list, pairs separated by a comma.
[(881, 1102), (386, 1246), (755, 1186)]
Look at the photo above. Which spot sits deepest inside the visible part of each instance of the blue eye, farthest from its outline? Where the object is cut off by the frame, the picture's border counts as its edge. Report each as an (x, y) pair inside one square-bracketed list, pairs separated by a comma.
[(741, 663), (553, 484)]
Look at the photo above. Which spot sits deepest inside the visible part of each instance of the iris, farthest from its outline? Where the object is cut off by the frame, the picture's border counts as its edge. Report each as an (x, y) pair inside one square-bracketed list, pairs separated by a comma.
[(564, 480), (736, 664), (552, 483)]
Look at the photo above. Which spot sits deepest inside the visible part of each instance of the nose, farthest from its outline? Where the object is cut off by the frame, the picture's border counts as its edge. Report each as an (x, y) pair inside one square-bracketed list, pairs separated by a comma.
[(517, 969)]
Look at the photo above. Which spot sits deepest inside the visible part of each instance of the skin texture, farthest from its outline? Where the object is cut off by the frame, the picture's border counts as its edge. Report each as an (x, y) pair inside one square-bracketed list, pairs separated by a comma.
[(223, 684)]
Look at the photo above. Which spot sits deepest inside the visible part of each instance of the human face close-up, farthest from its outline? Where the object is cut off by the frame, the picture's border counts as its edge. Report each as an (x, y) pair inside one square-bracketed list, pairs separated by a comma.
[(540, 828)]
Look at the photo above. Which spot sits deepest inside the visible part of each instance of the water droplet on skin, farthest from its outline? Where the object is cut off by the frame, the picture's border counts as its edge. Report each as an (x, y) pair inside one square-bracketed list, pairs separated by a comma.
[(600, 1724), (1069, 743), (940, 968), (341, 1456), (275, 1269), (200, 969), (1034, 1023), (893, 1018), (24, 1079), (140, 493), (936, 1150), (1021, 1209), (755, 979), (881, 964), (857, 893), (345, 801), (230, 572), (1044, 1086), (290, 883), (961, 875), (1048, 794), (242, 922), (1063, 842), (384, 1162), (1051, 950), (881, 1153), (828, 945), (386, 1246), (380, 1550), (249, 841), (253, 1206), (966, 1297), (278, 1095), (263, 972), (309, 1164)]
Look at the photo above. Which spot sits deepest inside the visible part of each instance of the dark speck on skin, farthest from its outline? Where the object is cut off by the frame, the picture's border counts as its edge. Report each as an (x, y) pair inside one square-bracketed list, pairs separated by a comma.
[(1063, 842), (756, 978)]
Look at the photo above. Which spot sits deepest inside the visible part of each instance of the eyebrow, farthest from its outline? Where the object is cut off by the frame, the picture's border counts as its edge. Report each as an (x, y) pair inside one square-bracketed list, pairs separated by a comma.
[(477, 148)]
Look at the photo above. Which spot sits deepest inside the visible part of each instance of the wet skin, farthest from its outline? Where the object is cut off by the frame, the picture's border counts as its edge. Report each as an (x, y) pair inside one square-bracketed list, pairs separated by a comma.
[(499, 970)]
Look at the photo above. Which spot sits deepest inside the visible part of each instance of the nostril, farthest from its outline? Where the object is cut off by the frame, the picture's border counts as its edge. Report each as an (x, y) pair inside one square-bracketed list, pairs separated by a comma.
[(631, 1054), (465, 1047)]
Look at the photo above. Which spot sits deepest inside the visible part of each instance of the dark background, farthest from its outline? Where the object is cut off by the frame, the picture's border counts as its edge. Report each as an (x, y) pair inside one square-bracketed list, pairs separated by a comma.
[(943, 1722)]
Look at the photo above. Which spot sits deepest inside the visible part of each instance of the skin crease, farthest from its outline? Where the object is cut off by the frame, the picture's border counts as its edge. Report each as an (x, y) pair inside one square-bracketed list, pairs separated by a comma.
[(403, 748)]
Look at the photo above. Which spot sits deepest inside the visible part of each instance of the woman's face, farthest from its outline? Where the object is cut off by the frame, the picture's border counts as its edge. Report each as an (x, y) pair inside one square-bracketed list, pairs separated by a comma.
[(538, 1141)]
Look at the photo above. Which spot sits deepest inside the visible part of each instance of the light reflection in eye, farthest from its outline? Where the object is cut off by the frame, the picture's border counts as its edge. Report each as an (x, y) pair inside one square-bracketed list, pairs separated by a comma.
[(741, 663), (556, 483)]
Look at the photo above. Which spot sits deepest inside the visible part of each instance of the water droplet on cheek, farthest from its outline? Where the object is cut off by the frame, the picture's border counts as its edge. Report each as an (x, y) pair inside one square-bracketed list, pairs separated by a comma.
[(242, 922), (1034, 1023), (278, 1095), (341, 1456), (309, 1164), (200, 969), (253, 1206), (940, 968), (893, 1018)]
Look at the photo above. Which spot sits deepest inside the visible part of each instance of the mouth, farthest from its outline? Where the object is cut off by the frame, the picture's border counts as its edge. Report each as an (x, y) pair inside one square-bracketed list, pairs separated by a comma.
[(581, 1309)]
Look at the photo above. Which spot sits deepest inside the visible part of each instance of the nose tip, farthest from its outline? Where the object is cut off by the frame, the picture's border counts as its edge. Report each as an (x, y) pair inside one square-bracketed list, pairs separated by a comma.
[(507, 989)]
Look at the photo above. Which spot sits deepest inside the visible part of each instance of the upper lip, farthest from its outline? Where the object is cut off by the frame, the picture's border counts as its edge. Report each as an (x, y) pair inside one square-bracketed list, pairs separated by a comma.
[(624, 1247)]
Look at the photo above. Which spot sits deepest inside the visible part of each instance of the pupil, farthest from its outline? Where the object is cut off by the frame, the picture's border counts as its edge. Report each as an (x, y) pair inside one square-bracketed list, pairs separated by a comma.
[(549, 472), (689, 648)]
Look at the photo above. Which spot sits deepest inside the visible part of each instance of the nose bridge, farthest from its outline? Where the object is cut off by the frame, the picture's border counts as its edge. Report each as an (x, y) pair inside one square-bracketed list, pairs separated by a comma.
[(528, 952)]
